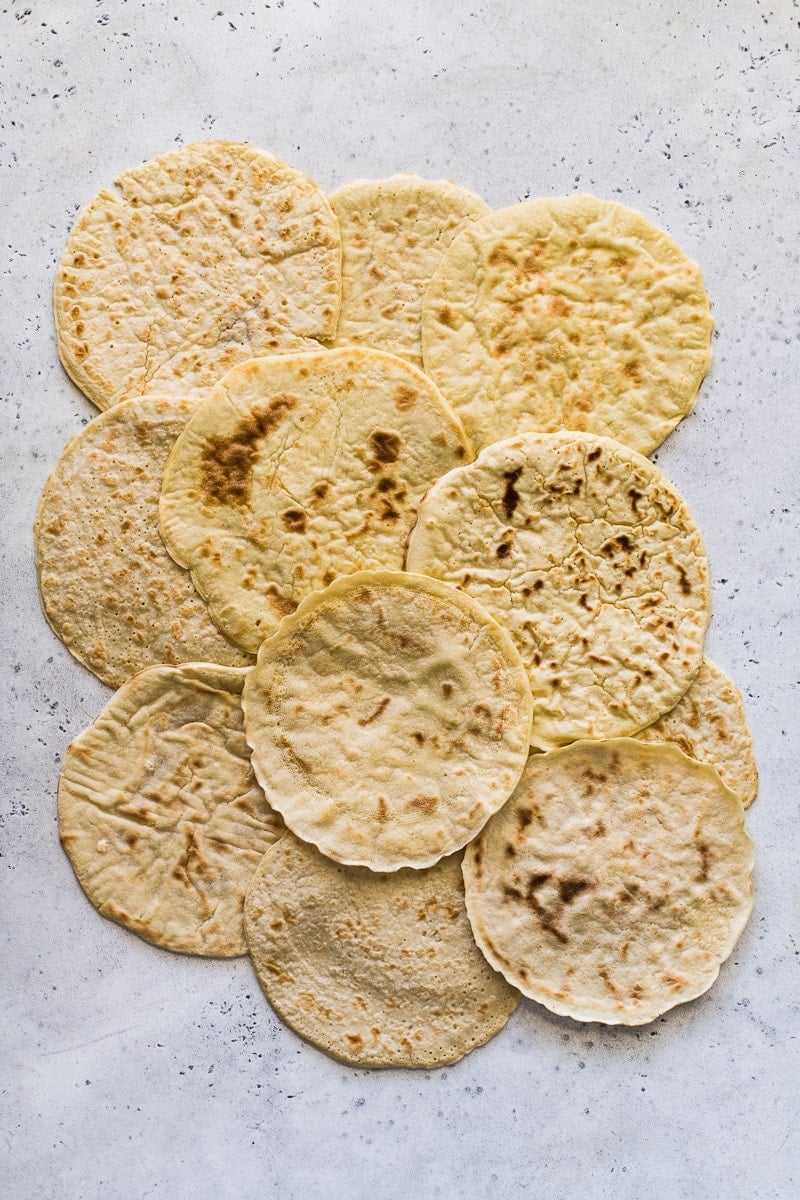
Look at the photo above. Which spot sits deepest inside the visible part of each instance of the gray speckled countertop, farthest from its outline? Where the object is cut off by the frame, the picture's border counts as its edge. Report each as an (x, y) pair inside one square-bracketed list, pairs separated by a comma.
[(129, 1072)]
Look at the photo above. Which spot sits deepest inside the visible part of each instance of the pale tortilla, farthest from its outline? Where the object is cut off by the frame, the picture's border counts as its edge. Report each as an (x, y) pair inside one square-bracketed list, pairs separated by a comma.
[(160, 813), (567, 313), (202, 258), (109, 588), (394, 232), (388, 719), (377, 970), (709, 723), (614, 882)]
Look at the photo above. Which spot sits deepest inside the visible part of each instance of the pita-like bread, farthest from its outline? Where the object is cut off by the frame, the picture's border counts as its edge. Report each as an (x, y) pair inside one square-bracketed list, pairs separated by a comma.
[(709, 723), (589, 557), (394, 232), (298, 469), (567, 313), (614, 882), (160, 813), (388, 719), (110, 590), (202, 258), (377, 970)]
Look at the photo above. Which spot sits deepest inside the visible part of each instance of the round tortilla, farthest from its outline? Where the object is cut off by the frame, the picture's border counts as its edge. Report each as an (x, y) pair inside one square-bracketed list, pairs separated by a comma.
[(298, 469), (567, 313), (394, 232), (589, 557), (388, 719), (110, 590), (202, 258), (377, 970), (160, 813), (614, 882), (709, 723)]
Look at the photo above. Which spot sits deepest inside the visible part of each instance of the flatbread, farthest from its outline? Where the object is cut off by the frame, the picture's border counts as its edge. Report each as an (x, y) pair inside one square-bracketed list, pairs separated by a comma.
[(614, 882), (160, 813), (567, 313), (388, 719), (394, 232), (377, 970), (709, 723), (589, 557), (201, 258), (110, 590), (299, 469)]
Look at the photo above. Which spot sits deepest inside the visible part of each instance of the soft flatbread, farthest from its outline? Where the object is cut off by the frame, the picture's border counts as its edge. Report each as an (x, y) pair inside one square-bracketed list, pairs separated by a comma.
[(709, 723), (567, 313), (377, 970), (299, 469), (388, 718), (109, 588), (160, 813), (201, 258), (589, 557), (614, 882), (394, 232)]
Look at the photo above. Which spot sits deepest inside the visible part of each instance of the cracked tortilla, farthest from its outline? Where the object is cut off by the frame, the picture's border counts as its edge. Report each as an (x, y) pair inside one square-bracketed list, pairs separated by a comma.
[(298, 469), (160, 813), (202, 258), (567, 313), (589, 557)]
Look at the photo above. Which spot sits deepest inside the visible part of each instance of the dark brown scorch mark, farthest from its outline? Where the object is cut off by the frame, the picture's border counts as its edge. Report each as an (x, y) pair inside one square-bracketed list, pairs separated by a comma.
[(548, 914), (634, 495), (568, 889), (376, 712), (621, 542), (385, 447), (294, 519), (706, 856), (511, 495), (227, 461)]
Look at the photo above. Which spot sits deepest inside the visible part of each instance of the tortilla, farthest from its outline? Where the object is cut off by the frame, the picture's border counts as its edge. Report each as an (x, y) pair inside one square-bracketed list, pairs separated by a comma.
[(589, 557), (567, 313), (202, 258), (388, 719), (394, 232), (377, 970), (709, 723), (299, 469), (160, 813), (110, 590), (614, 882)]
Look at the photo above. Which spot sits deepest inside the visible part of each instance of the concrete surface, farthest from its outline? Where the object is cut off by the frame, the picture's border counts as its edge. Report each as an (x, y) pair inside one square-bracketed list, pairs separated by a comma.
[(129, 1072)]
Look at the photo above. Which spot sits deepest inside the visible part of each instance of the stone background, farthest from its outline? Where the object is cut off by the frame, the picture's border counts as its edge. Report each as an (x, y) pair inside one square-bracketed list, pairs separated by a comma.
[(129, 1072)]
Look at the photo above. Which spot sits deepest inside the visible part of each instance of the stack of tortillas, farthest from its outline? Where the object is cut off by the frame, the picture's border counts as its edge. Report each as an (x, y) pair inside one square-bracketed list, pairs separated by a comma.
[(419, 730)]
